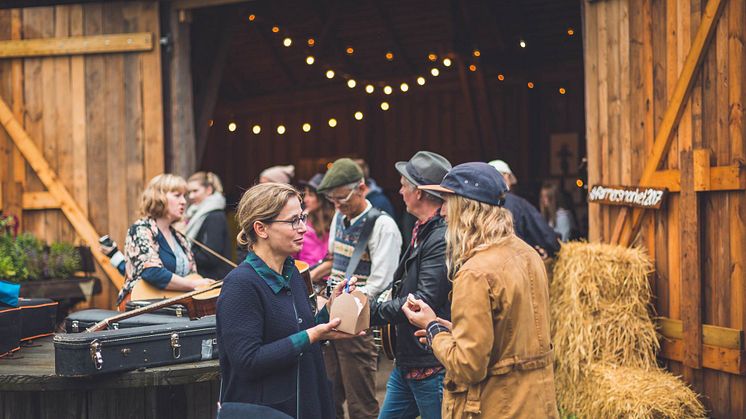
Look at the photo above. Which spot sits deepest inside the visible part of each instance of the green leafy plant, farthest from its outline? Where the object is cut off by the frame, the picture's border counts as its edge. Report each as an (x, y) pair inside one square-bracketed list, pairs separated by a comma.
[(63, 260), (12, 260), (36, 256)]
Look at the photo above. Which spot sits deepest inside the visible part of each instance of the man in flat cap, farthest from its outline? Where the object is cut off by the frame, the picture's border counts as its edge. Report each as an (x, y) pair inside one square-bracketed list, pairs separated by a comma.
[(364, 242), (414, 386)]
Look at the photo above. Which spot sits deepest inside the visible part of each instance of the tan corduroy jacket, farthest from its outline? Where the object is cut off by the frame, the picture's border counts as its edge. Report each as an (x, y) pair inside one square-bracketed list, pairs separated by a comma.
[(498, 357)]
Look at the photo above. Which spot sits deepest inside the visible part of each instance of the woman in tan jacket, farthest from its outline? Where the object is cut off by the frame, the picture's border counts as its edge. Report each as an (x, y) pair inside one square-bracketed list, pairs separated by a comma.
[(497, 352)]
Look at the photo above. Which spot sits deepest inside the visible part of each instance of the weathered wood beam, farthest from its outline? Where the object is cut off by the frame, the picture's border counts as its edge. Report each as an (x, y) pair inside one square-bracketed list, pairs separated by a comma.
[(721, 178), (395, 37), (713, 357), (722, 337), (198, 4), (622, 234), (691, 262), (77, 45), (49, 178), (39, 201)]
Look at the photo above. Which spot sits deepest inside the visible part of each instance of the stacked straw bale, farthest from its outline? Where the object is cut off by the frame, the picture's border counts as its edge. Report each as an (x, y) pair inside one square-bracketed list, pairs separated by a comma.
[(605, 340)]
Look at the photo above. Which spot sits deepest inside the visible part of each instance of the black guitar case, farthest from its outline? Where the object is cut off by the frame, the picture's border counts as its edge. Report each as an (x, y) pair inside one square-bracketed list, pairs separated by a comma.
[(10, 331), (176, 310), (38, 317), (86, 354), (81, 320)]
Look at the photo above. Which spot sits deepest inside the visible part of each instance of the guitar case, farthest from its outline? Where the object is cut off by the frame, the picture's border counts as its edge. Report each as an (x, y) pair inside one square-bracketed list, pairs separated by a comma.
[(176, 310), (38, 317), (95, 353), (81, 320), (10, 332)]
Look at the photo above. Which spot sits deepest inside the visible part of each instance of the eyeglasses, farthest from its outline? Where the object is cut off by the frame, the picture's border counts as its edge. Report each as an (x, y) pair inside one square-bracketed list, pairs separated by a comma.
[(295, 222), (338, 200)]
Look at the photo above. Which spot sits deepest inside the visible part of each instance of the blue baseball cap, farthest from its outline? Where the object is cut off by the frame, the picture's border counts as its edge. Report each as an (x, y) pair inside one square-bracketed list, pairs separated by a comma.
[(475, 180)]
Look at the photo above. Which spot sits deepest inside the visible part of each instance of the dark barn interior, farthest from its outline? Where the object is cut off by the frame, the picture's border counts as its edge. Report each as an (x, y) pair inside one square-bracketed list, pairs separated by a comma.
[(512, 89)]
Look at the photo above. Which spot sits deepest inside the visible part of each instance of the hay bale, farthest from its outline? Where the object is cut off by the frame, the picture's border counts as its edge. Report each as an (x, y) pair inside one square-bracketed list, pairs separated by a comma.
[(600, 308), (622, 392)]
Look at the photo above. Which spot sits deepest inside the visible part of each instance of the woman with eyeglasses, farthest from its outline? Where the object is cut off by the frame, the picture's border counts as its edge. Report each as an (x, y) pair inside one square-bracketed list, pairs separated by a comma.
[(270, 357)]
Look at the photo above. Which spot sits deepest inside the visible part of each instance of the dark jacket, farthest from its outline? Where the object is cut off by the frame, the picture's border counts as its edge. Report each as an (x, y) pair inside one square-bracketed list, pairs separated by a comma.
[(422, 272), (530, 226), (259, 357), (214, 234)]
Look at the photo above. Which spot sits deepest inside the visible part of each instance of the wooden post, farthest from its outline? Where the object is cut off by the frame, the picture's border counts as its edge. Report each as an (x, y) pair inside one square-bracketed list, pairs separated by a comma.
[(69, 206), (182, 148), (691, 265)]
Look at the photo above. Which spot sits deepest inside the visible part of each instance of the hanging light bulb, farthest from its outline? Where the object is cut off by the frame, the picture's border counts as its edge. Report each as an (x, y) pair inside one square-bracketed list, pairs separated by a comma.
[(476, 53), (211, 122), (306, 127), (287, 42), (570, 31), (390, 56), (359, 115), (500, 77), (530, 85), (432, 57), (350, 50), (281, 129), (232, 127), (562, 90), (404, 87), (387, 90), (522, 43), (369, 89), (256, 129), (252, 17), (332, 122), (421, 81), (310, 60), (384, 106), (311, 42), (329, 74), (351, 83), (435, 72), (472, 67), (447, 62), (275, 29)]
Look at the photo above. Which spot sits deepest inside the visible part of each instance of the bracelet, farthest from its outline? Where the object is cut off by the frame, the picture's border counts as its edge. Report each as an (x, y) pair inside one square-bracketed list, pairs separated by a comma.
[(433, 328)]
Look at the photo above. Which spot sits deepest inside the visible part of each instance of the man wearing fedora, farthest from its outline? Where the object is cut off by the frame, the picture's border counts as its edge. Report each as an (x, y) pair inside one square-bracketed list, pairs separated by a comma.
[(414, 386)]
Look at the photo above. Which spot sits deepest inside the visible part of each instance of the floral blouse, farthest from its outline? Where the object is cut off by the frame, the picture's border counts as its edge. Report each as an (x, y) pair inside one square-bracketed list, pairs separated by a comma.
[(141, 251)]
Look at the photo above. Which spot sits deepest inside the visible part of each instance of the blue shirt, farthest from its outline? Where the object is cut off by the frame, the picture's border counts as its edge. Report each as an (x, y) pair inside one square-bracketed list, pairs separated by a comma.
[(161, 276)]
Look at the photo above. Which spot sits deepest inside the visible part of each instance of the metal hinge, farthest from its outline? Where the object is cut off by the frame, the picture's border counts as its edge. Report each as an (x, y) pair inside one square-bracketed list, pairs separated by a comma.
[(175, 346), (74, 326), (98, 360), (179, 312)]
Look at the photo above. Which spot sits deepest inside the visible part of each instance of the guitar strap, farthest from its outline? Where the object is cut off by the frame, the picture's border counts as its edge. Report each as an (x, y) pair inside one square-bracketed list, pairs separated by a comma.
[(362, 242)]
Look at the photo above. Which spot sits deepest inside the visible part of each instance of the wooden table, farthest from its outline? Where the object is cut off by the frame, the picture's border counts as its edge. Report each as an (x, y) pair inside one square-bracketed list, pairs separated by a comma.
[(29, 388)]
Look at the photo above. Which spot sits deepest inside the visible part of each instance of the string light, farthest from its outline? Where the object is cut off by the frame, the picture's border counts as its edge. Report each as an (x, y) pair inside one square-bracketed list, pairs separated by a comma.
[(387, 90), (579, 183), (432, 57), (306, 127), (530, 85), (369, 89), (310, 60), (232, 126), (500, 77), (281, 129), (332, 122), (384, 106), (522, 43), (472, 67), (287, 42), (210, 122), (252, 17), (311, 42), (351, 83), (256, 129), (435, 72), (350, 50), (570, 31), (390, 56), (421, 81), (447, 62), (359, 116), (404, 87), (275, 29), (476, 53), (562, 90), (329, 74)]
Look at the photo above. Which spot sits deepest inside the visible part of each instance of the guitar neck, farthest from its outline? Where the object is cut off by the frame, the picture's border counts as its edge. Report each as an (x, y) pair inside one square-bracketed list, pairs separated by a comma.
[(150, 308)]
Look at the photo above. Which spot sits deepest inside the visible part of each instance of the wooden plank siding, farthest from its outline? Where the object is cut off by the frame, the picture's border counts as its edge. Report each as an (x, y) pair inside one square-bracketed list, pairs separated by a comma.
[(96, 118), (640, 46)]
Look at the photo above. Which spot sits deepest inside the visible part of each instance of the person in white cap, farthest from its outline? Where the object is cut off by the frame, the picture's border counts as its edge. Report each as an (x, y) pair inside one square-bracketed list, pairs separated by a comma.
[(528, 223)]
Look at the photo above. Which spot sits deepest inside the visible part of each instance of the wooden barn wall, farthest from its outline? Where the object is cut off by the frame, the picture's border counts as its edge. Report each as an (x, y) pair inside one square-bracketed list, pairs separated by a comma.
[(97, 118), (432, 118), (634, 53)]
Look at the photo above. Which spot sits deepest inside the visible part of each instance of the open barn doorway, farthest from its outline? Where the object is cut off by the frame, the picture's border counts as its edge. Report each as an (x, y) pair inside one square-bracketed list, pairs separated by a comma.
[(302, 83)]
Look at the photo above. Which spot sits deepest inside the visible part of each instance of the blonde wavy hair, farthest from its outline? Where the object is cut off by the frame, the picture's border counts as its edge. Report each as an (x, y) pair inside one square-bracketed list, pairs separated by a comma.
[(153, 199), (263, 202), (473, 226), (207, 179)]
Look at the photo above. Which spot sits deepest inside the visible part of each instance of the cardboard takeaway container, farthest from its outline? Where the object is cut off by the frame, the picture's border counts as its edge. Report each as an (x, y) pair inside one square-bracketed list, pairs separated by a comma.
[(355, 315)]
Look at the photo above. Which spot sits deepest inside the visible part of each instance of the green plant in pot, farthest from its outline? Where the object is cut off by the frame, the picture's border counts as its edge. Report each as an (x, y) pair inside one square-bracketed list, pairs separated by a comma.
[(12, 260)]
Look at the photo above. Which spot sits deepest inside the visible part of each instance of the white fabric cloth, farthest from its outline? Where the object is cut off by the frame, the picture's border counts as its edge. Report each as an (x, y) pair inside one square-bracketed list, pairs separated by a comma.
[(195, 214), (384, 247)]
